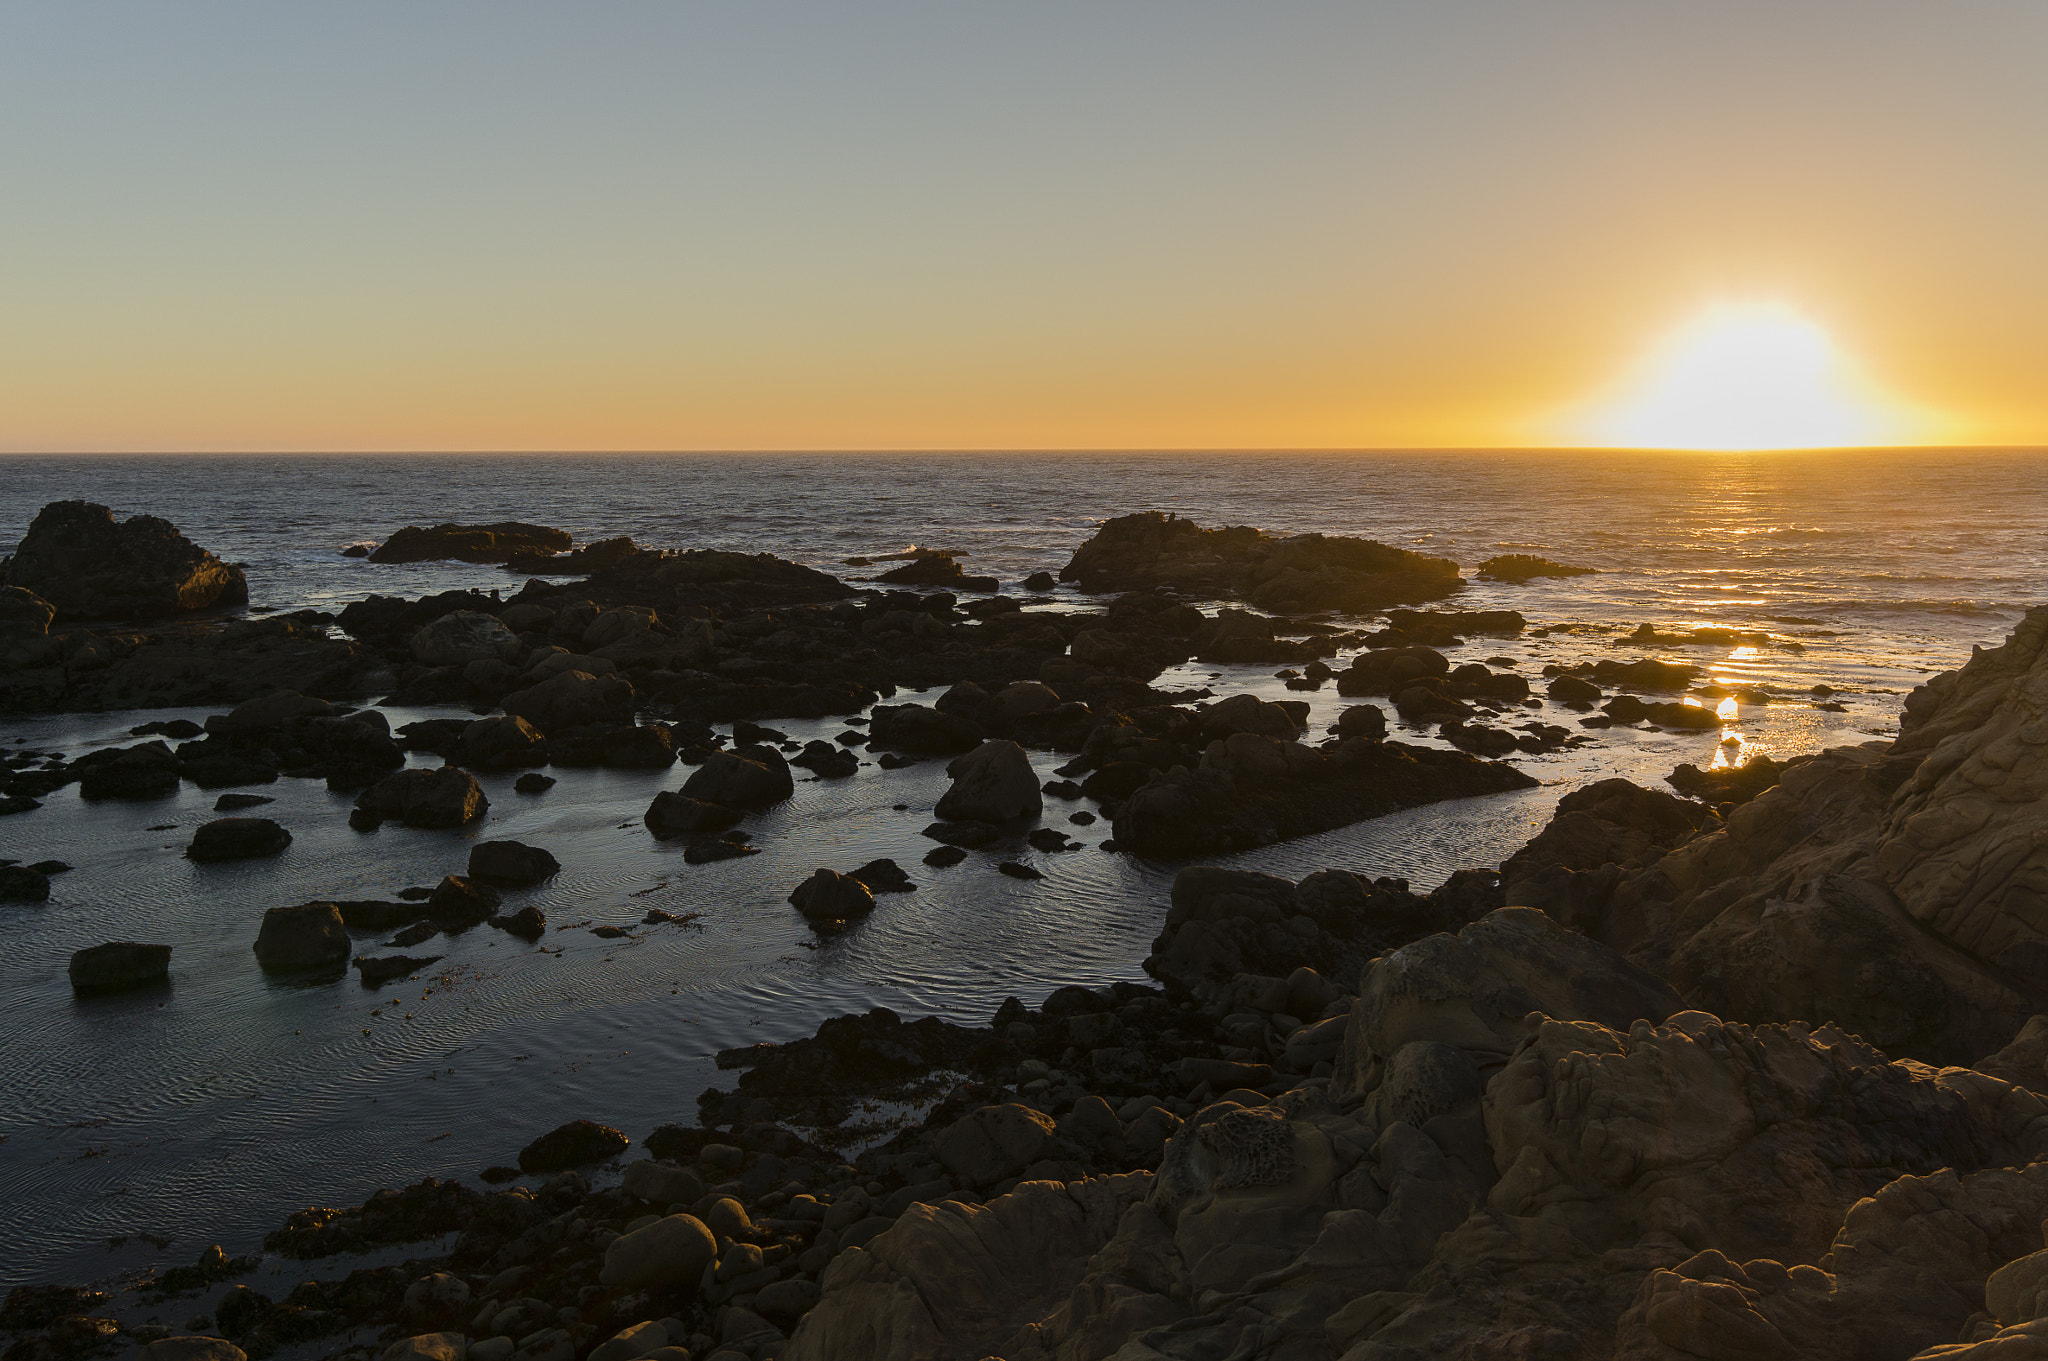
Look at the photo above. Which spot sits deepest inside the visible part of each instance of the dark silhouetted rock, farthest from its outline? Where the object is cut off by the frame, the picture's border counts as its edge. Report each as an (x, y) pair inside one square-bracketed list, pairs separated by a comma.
[(308, 936), (493, 543), (832, 897), (1521, 567), (237, 839), (119, 964), (513, 863), (746, 777), (447, 797), (576, 1144), (992, 783), (88, 566), (20, 884), (377, 970), (1284, 575)]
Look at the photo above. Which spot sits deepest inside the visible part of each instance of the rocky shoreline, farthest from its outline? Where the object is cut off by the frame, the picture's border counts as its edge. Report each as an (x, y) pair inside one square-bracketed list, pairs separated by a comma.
[(1754, 1073)]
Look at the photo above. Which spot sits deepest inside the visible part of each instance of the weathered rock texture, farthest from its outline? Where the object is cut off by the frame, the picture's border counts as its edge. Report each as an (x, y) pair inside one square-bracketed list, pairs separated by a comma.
[(1891, 889)]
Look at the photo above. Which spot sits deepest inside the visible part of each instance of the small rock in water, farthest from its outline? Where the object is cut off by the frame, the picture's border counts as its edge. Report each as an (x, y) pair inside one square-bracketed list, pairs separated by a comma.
[(237, 839), (889, 760), (119, 964), (572, 1145), (704, 850), (829, 896), (527, 923), (19, 884), (377, 970), (884, 876), (50, 867), (972, 835), (1047, 838), (533, 783), (229, 803), (610, 933), (944, 856), (1017, 871), (1041, 582), (511, 862), (1084, 818), (413, 935), (415, 895)]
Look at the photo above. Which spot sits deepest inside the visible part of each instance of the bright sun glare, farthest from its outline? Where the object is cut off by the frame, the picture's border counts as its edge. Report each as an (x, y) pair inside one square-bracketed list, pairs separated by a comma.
[(1748, 375)]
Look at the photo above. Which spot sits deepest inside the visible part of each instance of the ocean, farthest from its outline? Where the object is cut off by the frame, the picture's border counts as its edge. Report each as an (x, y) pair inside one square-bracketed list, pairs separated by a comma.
[(135, 1131)]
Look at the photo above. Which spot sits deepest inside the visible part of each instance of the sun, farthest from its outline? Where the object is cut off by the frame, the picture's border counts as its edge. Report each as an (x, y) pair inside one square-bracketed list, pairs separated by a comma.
[(1748, 375)]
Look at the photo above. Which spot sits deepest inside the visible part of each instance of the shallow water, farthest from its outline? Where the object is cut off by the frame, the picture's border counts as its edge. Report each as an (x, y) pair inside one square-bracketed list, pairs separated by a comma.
[(205, 1111)]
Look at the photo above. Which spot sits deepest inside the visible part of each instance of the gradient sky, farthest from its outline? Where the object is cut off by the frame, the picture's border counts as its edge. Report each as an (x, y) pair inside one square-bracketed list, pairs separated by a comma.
[(1146, 223)]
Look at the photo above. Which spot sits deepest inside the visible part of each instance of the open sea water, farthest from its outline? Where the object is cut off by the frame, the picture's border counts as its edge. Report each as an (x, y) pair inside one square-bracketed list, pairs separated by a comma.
[(136, 1130)]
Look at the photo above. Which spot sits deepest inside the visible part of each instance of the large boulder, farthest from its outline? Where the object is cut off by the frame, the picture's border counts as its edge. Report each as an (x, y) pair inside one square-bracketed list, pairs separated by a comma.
[(829, 896), (447, 797), (745, 777), (309, 936), (573, 699), (237, 839), (493, 543), (1249, 790), (119, 964), (1285, 575), (89, 566), (992, 783), (670, 1252), (513, 863), (506, 742), (462, 637), (985, 1146), (920, 728), (673, 816)]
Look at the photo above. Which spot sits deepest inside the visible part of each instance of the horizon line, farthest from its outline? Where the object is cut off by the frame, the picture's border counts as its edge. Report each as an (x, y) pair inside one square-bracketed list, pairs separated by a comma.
[(1043, 450)]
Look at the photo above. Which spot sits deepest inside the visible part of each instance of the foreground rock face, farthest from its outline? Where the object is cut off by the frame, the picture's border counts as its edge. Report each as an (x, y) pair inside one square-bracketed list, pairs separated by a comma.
[(1887, 888), (448, 797), (1307, 572), (87, 565)]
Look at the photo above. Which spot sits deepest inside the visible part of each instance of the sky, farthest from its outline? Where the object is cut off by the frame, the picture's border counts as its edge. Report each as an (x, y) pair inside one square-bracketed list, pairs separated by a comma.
[(379, 225)]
